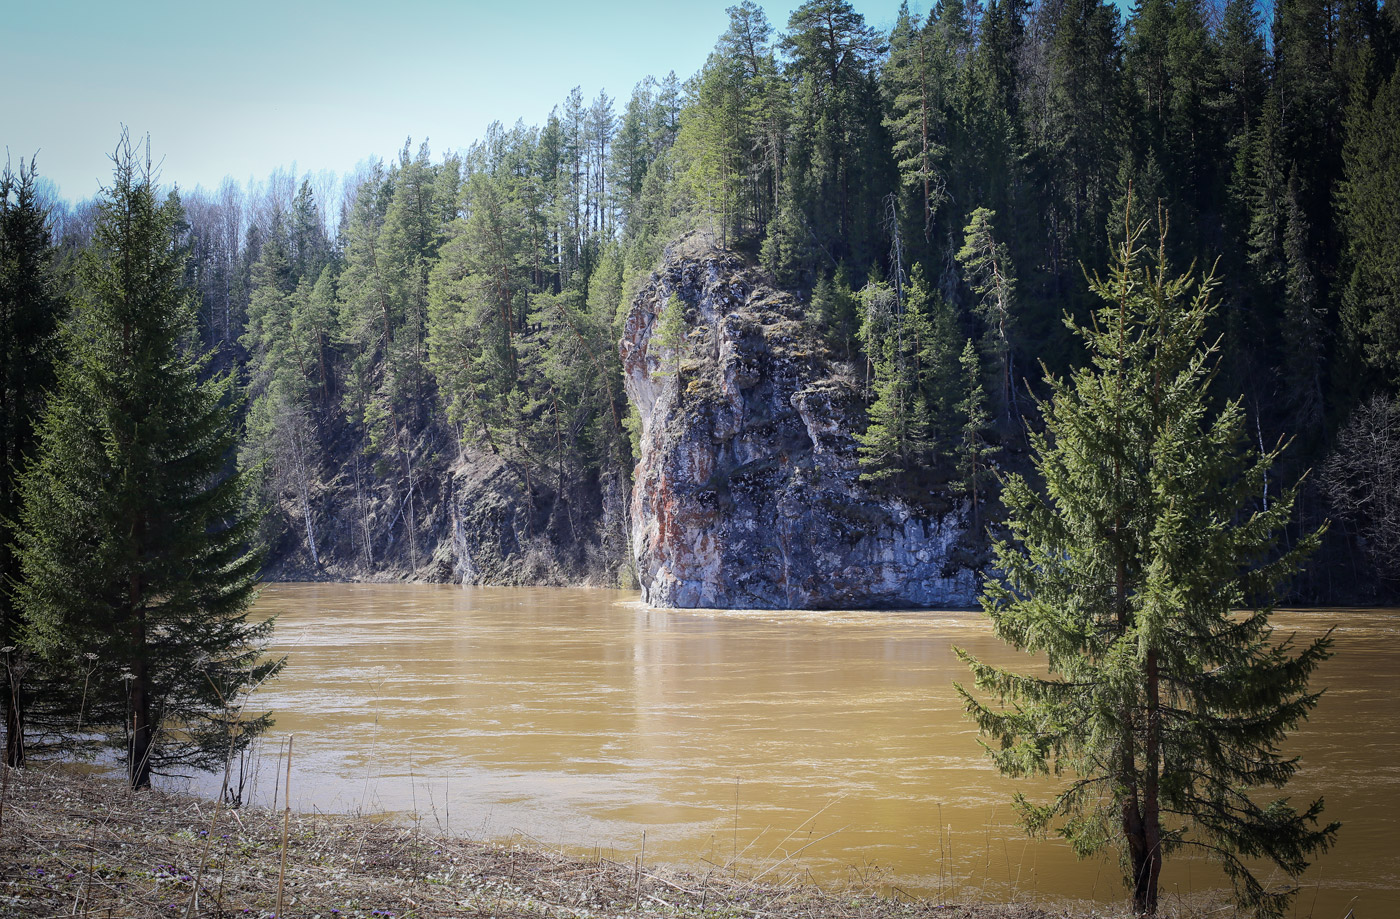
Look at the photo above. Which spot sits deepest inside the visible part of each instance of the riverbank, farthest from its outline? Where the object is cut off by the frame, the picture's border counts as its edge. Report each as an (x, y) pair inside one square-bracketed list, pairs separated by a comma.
[(81, 846)]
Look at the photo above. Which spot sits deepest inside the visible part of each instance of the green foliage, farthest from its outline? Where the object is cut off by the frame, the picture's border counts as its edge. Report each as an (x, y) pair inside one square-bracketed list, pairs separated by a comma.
[(671, 333), (932, 324), (913, 379), (917, 79), (974, 452), (30, 311), (711, 147), (988, 271), (1145, 570), (478, 289), (134, 540), (580, 385), (896, 433), (832, 153), (835, 308), (839, 165), (733, 129), (1371, 296), (1084, 117), (1168, 62)]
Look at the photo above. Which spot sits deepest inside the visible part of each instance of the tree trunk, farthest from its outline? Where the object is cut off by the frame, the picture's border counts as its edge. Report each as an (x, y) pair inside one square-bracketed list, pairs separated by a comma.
[(138, 688), (1134, 825), (139, 764), (303, 474), (14, 725), (1147, 872), (310, 529)]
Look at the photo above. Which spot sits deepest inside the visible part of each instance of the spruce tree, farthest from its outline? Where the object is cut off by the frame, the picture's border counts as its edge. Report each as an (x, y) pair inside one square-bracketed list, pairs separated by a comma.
[(989, 273), (973, 451), (896, 433), (134, 537), (671, 334), (931, 325), (1371, 297), (1145, 570), (30, 309), (916, 81)]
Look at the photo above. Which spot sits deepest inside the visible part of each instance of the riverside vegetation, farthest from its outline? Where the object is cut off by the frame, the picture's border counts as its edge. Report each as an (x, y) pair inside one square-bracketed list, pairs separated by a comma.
[(434, 383)]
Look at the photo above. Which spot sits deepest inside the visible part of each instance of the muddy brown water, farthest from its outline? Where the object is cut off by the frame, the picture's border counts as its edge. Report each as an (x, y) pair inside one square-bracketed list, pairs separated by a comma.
[(827, 746)]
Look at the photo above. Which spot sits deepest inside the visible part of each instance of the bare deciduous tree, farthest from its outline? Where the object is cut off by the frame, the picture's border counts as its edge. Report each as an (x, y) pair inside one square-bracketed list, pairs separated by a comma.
[(1362, 477)]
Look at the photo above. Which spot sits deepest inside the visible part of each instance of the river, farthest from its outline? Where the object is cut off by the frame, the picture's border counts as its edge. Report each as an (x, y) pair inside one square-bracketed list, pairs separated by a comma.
[(827, 746)]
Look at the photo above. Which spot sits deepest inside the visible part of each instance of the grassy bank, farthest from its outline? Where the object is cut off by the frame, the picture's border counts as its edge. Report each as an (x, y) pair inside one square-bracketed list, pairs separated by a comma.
[(81, 846)]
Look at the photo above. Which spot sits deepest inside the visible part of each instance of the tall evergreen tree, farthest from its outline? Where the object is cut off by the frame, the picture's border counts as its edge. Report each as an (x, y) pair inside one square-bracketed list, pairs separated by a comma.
[(478, 292), (932, 326), (713, 144), (1128, 571), (896, 435), (916, 78), (973, 451), (134, 540), (989, 273), (839, 167), (1371, 296), (1082, 135), (30, 310)]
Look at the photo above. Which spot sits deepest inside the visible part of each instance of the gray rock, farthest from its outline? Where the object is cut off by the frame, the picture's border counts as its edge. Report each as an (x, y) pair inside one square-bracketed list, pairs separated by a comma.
[(747, 492)]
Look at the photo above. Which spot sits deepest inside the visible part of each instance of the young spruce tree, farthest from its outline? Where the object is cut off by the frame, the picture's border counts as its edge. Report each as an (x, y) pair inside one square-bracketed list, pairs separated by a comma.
[(1145, 570), (134, 536)]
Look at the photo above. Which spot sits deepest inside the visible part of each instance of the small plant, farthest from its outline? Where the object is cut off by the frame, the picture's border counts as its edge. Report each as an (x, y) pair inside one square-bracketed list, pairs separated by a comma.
[(670, 336)]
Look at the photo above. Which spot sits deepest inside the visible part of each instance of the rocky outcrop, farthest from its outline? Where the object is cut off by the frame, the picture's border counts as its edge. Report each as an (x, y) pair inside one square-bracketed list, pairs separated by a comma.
[(747, 493), (511, 529), (454, 514)]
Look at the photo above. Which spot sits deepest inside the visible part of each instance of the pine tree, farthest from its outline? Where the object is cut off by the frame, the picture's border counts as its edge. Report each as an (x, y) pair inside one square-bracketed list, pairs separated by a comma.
[(134, 540), (1302, 325), (932, 326), (1371, 299), (916, 79), (477, 292), (836, 312), (896, 433), (1083, 122), (989, 273), (30, 309), (632, 153), (671, 334), (974, 453), (839, 166), (712, 145), (1128, 571)]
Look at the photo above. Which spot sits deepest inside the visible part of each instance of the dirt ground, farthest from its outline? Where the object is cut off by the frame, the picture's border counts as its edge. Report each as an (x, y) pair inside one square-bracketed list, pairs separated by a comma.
[(73, 845)]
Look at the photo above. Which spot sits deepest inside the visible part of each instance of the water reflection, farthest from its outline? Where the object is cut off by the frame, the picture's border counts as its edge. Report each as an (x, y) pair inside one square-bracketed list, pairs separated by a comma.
[(825, 744)]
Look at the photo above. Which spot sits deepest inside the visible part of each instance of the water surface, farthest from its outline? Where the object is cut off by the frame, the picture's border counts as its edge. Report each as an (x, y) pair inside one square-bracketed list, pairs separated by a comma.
[(829, 746)]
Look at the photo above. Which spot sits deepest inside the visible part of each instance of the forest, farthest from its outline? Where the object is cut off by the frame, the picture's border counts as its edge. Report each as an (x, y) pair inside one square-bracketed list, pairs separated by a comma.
[(940, 197)]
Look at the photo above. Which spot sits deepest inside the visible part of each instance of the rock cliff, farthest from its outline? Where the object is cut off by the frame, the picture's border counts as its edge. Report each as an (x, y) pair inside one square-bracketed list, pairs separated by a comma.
[(747, 493), (465, 515)]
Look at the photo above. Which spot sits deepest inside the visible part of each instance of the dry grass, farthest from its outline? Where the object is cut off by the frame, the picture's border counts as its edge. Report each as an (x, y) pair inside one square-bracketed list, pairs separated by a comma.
[(79, 846)]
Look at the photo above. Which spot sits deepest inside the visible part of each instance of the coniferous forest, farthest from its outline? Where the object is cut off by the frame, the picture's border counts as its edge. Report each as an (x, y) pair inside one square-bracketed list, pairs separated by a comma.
[(940, 197)]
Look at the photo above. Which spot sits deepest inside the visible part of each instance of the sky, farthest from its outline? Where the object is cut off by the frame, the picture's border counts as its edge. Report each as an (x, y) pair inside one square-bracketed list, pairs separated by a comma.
[(240, 89)]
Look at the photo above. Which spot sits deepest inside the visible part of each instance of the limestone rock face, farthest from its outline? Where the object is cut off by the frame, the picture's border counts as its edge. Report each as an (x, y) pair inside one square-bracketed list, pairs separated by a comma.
[(747, 491)]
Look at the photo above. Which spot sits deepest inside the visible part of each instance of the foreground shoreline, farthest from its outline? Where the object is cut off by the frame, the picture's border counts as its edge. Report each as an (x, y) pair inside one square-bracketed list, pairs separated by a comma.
[(79, 845)]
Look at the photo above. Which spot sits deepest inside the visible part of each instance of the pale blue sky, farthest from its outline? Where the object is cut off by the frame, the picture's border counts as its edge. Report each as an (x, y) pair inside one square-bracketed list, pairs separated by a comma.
[(243, 88)]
